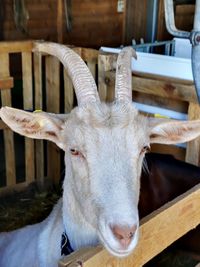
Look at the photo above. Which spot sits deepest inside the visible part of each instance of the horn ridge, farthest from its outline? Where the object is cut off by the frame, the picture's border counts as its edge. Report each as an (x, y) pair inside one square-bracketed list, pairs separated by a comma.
[(123, 85), (82, 79)]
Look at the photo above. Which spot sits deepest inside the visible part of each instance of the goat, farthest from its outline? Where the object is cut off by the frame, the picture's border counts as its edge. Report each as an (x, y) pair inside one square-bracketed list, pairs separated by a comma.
[(104, 148)]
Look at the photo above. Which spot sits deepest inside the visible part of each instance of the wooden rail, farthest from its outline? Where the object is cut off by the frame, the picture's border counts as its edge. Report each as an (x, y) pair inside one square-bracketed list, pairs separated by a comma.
[(157, 231), (45, 86)]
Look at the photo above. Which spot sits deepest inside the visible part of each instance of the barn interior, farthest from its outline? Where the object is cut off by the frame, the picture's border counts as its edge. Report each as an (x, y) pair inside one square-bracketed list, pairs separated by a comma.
[(32, 172)]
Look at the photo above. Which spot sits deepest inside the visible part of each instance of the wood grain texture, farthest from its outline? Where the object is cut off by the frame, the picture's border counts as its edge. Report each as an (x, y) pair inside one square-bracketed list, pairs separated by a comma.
[(59, 21), (6, 83), (16, 46), (53, 105), (135, 20), (105, 65), (68, 92), (92, 67), (157, 231), (28, 105), (94, 23), (8, 134), (193, 147), (39, 144), (159, 87)]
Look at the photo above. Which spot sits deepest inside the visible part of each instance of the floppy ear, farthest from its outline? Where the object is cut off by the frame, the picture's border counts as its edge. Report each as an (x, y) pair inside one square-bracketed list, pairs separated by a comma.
[(39, 125), (172, 132)]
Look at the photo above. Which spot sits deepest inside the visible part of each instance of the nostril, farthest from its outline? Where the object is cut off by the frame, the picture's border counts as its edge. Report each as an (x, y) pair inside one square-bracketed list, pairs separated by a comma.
[(124, 233)]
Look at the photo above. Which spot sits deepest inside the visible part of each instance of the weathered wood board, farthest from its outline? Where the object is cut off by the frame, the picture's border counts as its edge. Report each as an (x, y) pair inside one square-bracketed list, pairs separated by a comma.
[(157, 231)]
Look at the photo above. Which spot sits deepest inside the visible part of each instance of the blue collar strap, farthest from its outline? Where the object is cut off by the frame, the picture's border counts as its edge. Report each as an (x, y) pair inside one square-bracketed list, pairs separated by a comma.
[(66, 248)]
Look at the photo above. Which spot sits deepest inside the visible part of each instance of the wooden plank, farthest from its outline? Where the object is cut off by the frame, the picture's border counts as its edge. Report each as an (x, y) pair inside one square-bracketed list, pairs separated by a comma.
[(13, 188), (161, 88), (176, 151), (6, 83), (162, 33), (39, 144), (33, 24), (157, 231), (79, 256), (161, 102), (193, 147), (53, 105), (105, 64), (134, 25), (3, 126), (69, 92), (8, 134), (28, 105), (98, 31), (92, 67), (89, 54), (60, 21), (16, 46)]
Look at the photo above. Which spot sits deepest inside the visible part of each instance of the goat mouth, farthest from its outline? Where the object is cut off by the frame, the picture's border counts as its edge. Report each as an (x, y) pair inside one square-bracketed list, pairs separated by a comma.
[(115, 252)]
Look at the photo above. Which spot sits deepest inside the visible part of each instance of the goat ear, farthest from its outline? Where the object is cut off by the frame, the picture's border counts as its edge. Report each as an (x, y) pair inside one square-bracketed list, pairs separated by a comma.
[(172, 132), (39, 125)]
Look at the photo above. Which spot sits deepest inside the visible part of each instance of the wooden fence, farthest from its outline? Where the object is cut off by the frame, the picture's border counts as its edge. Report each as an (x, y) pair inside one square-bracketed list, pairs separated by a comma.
[(46, 86)]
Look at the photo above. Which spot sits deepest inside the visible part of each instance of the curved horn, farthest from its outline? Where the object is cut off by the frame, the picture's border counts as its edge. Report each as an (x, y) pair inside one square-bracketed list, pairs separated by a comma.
[(123, 85), (83, 81)]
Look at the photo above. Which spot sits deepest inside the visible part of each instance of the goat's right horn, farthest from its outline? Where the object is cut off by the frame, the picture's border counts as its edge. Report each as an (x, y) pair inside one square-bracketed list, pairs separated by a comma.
[(83, 81), (123, 85)]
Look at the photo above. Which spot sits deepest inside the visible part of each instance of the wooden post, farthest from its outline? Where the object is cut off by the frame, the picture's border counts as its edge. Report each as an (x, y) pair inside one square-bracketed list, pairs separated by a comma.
[(69, 92), (8, 134), (39, 144), (193, 147), (28, 105), (60, 21), (105, 64), (53, 105)]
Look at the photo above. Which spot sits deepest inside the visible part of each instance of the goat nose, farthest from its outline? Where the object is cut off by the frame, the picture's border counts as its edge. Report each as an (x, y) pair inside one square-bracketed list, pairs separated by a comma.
[(124, 234)]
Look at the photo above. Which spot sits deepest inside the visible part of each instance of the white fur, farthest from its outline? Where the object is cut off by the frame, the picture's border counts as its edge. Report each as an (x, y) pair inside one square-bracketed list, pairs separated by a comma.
[(101, 187)]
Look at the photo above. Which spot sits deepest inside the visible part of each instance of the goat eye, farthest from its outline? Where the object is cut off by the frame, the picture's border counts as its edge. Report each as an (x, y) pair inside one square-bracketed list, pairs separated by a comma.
[(75, 152), (145, 149)]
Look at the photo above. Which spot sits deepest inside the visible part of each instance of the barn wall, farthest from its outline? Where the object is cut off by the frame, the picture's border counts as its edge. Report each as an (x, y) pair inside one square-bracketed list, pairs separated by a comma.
[(94, 23), (41, 23), (135, 20)]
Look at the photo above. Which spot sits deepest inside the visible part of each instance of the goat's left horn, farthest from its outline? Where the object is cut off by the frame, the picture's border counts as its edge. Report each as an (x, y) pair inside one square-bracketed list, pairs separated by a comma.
[(82, 79), (123, 85)]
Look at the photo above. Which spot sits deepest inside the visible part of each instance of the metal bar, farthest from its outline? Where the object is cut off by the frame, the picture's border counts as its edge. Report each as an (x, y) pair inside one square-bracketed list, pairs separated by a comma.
[(195, 40), (170, 22), (152, 18), (196, 26)]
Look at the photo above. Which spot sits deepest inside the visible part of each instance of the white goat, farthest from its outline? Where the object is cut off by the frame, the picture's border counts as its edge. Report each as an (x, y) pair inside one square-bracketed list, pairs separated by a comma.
[(104, 148)]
